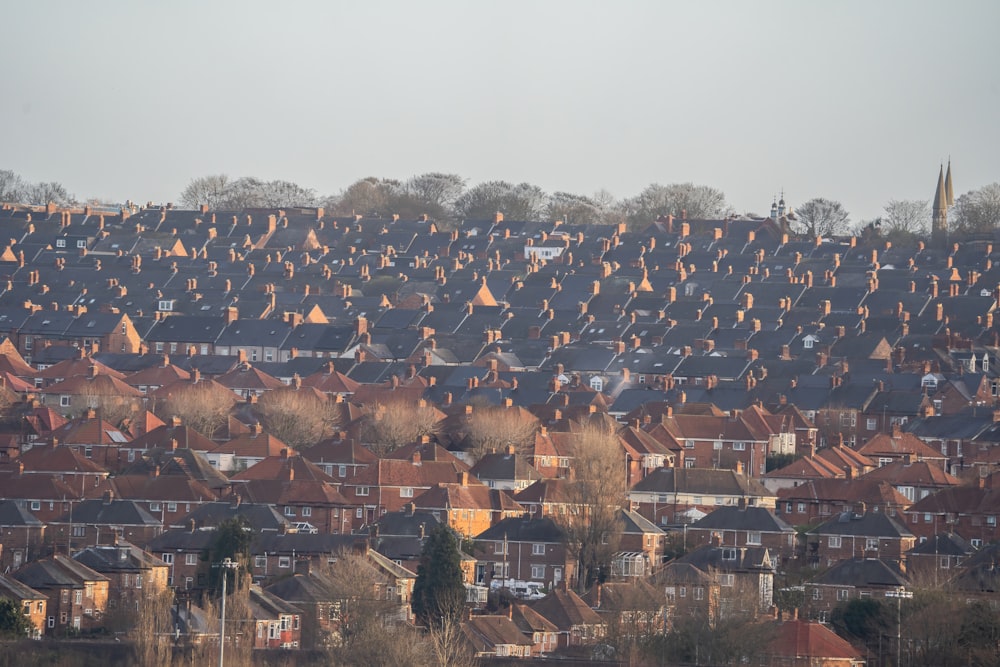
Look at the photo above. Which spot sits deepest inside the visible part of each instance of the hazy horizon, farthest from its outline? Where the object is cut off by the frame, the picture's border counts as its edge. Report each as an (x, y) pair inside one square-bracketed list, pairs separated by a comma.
[(854, 101)]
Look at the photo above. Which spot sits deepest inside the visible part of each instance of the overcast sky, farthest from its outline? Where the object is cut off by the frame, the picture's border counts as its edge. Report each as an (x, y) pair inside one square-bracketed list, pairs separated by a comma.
[(856, 101)]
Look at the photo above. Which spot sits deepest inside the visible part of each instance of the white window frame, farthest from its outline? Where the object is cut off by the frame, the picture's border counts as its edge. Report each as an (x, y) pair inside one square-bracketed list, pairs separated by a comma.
[(537, 549)]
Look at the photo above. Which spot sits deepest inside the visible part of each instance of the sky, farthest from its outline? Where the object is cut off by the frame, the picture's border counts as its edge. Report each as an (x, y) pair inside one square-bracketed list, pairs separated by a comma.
[(855, 100)]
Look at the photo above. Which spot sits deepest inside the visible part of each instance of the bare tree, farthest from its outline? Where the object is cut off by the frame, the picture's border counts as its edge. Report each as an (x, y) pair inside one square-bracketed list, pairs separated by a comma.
[(152, 633), (978, 210), (517, 202), (203, 406), (677, 199), (371, 630), (449, 645), (437, 192), (822, 217), (596, 493), (298, 417), (221, 192), (110, 407), (12, 186), (211, 190), (906, 216), (391, 424), (368, 196), (492, 428), (46, 193)]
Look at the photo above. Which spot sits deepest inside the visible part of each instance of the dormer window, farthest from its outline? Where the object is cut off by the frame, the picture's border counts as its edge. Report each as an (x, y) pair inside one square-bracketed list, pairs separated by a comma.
[(807, 343), (166, 305), (60, 243)]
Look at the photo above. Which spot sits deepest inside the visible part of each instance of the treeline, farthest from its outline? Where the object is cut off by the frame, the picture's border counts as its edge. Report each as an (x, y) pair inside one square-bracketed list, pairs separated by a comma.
[(448, 198)]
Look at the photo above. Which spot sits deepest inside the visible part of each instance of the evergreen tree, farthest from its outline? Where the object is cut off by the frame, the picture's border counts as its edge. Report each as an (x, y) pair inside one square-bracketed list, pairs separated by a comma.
[(12, 622), (439, 594), (232, 540)]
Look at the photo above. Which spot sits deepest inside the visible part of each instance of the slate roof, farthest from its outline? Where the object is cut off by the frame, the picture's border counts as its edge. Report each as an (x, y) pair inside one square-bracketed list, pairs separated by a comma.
[(747, 518), (863, 573), (701, 481), (870, 524)]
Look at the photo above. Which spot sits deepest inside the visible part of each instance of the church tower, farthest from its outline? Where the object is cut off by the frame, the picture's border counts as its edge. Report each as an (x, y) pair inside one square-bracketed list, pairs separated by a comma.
[(939, 221)]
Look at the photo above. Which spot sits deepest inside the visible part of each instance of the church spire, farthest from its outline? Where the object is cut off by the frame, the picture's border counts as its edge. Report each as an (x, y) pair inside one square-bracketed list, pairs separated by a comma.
[(939, 222), (949, 190)]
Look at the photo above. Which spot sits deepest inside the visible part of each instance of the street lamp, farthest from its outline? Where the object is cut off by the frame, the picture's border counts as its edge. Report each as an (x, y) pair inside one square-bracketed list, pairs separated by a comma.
[(227, 564), (899, 594)]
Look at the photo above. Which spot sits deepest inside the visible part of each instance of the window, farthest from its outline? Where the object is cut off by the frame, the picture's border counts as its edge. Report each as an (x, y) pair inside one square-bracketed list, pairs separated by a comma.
[(406, 492), (307, 511), (78, 597), (341, 471), (991, 521), (166, 305), (689, 444), (871, 424), (138, 581), (27, 342), (81, 243), (817, 594), (79, 531), (361, 491), (729, 554), (945, 562), (871, 544), (259, 562), (753, 537), (739, 446), (190, 559), (60, 243), (64, 401), (284, 561), (500, 547), (537, 571), (537, 549), (717, 444), (359, 512), (843, 594), (689, 463), (155, 507), (699, 592), (167, 558), (36, 505), (171, 507), (727, 579), (976, 542), (807, 343), (289, 511), (928, 518), (834, 541)]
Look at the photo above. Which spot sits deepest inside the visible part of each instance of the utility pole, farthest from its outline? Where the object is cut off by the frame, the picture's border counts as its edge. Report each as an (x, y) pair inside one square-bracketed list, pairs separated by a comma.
[(228, 564), (899, 594)]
